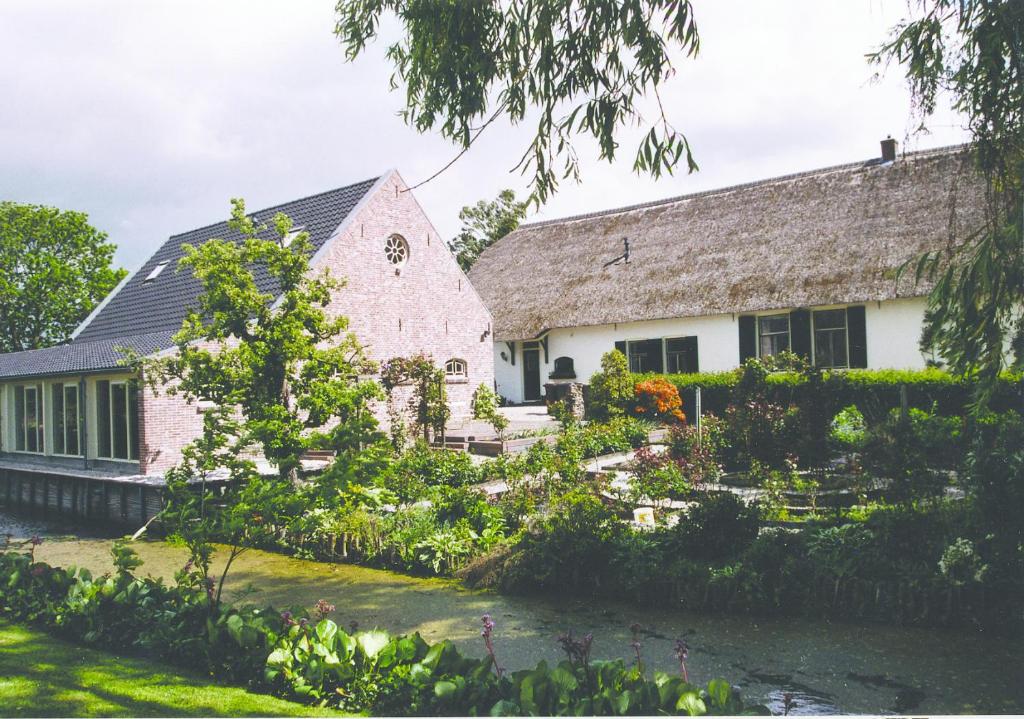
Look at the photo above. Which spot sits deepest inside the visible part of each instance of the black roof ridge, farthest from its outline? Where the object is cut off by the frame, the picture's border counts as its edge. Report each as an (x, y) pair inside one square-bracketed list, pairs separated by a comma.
[(273, 207), (740, 186)]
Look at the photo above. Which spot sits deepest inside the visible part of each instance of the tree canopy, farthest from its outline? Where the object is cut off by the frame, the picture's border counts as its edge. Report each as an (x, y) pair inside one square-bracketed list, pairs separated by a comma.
[(579, 67), (485, 223), (54, 268), (974, 52)]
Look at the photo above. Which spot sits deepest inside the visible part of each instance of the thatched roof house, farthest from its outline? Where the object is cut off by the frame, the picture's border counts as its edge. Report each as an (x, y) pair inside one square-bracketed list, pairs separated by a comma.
[(829, 236), (806, 262)]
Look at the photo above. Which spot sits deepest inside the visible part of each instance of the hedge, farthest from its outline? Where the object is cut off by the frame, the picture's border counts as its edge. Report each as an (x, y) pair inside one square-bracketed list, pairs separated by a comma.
[(874, 392)]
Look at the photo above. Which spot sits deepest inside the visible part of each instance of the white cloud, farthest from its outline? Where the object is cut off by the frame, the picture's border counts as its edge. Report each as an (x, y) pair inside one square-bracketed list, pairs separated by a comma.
[(150, 116)]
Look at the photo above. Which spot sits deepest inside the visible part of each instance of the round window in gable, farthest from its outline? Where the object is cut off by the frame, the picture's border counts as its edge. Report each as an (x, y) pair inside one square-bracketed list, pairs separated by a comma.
[(396, 249)]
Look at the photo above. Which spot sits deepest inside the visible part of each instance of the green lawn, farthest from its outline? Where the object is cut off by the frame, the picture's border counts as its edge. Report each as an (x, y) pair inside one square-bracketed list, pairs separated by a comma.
[(42, 676)]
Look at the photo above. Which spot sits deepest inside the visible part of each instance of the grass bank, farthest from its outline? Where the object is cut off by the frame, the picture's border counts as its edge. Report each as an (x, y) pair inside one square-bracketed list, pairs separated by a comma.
[(41, 676)]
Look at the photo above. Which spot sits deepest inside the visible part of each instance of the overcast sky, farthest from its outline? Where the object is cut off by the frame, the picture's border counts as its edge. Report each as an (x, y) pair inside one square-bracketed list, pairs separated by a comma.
[(150, 116)]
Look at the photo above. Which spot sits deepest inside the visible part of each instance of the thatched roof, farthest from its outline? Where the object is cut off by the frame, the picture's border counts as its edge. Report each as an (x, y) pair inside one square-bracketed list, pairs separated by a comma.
[(830, 236)]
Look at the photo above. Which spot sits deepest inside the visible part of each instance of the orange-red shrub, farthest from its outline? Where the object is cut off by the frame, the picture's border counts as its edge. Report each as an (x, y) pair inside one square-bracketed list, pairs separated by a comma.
[(659, 400)]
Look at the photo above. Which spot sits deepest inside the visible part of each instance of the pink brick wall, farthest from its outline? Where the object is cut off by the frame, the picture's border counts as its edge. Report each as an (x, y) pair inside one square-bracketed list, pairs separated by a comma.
[(428, 306), (166, 424)]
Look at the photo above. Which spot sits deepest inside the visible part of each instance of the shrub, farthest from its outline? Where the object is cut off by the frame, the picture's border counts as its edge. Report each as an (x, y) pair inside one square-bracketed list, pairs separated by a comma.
[(571, 548), (485, 407), (656, 477), (421, 466), (596, 438), (909, 452), (848, 429), (717, 528), (611, 389), (658, 399), (697, 452)]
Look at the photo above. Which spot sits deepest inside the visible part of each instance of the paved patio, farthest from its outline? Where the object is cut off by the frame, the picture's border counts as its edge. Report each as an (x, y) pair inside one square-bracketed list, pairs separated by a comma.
[(521, 417)]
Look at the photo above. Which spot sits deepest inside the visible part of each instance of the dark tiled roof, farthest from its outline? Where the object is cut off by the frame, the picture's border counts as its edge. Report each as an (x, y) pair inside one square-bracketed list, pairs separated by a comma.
[(80, 357), (831, 236), (143, 308)]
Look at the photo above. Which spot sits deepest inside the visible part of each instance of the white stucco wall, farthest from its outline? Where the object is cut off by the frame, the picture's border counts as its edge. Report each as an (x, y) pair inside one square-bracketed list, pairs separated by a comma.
[(717, 342), (892, 332)]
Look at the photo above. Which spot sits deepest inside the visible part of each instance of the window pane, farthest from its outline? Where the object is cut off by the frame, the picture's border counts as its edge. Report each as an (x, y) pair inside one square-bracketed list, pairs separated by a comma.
[(645, 356), (57, 392), (681, 354), (71, 419), (119, 417), (830, 319), (103, 418), (774, 323), (774, 334), (19, 418), (133, 420), (830, 348), (31, 421)]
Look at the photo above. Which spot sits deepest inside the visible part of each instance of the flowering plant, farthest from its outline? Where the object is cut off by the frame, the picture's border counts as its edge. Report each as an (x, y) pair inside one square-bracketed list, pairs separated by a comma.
[(659, 399)]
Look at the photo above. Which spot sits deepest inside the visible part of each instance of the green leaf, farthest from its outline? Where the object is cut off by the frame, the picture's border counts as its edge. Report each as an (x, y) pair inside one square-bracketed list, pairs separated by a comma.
[(372, 642), (565, 680), (444, 689), (692, 704), (505, 708), (719, 692), (326, 630)]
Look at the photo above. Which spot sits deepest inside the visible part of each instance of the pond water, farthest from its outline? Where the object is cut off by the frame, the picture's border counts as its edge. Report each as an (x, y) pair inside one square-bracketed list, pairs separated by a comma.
[(829, 667)]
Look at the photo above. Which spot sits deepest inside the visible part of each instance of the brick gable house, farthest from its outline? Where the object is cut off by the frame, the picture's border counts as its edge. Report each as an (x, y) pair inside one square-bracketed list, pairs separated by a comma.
[(74, 409)]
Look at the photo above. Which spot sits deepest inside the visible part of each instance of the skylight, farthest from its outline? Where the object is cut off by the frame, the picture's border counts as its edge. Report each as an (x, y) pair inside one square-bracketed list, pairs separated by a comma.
[(156, 272), (292, 234)]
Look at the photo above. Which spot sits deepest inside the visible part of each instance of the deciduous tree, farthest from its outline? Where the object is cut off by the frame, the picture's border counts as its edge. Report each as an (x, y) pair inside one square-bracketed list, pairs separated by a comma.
[(276, 374), (973, 50), (485, 223), (575, 67), (54, 268)]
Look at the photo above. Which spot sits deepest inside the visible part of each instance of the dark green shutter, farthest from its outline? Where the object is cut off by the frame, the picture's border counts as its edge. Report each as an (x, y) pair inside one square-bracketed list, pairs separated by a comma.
[(748, 337), (692, 358), (856, 328), (621, 347), (800, 333)]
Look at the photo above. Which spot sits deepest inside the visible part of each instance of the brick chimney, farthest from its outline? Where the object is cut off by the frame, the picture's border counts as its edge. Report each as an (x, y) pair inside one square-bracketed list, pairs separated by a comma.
[(888, 150)]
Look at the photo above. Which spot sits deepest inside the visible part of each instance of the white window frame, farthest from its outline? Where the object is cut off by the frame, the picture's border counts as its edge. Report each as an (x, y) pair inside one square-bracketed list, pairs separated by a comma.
[(814, 337), (451, 367), (789, 330), (22, 427), (155, 272), (629, 361), (65, 386), (664, 350), (111, 383)]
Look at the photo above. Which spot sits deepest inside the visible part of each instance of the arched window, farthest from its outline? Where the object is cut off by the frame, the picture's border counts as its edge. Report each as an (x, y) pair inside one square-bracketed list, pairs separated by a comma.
[(396, 249), (455, 369)]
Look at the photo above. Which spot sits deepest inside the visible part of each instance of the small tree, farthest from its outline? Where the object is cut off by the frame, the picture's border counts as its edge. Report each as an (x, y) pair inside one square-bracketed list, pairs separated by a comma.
[(429, 400), (611, 388), (485, 408), (279, 376)]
